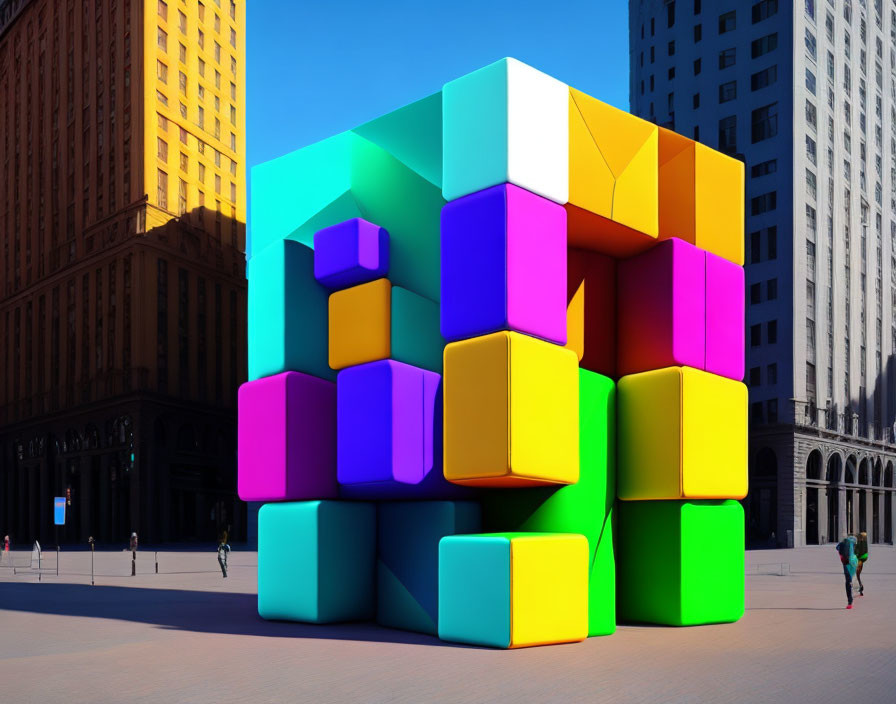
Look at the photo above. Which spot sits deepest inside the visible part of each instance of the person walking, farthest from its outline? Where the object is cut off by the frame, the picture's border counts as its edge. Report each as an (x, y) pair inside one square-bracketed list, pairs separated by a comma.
[(5, 548), (133, 545), (223, 550), (862, 558), (846, 550)]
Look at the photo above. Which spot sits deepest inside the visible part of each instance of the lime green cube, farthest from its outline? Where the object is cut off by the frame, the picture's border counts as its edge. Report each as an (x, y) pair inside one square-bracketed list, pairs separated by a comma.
[(680, 563)]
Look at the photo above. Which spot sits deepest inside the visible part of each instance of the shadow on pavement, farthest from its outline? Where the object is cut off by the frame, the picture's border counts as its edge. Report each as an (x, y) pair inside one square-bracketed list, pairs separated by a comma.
[(180, 609)]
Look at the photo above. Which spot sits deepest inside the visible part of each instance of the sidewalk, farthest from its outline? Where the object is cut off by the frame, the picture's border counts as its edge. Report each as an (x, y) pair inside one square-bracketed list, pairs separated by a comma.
[(186, 634)]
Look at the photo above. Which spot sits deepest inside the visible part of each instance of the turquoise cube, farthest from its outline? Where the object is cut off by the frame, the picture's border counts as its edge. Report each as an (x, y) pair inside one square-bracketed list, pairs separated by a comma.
[(408, 535), (415, 338), (316, 561), (287, 314)]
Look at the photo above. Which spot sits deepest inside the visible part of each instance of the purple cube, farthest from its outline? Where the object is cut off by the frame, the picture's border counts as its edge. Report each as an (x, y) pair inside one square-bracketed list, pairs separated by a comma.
[(503, 265), (661, 304), (286, 438), (386, 423), (350, 253), (724, 317)]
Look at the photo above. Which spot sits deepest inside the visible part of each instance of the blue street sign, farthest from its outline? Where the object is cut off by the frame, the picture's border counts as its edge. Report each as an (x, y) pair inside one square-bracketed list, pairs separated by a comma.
[(59, 510)]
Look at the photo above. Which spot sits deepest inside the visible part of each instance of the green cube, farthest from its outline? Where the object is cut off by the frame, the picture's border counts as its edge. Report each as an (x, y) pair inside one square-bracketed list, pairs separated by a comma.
[(415, 336), (584, 507), (287, 313), (681, 563)]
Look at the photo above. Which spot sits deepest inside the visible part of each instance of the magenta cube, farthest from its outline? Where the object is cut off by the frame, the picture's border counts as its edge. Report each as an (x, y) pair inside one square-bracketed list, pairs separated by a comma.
[(350, 253), (503, 265), (724, 317), (661, 299), (286, 438)]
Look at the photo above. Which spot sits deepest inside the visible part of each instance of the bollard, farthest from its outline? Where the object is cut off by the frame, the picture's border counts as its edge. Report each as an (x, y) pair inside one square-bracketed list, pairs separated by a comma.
[(157, 563), (134, 563), (91, 541)]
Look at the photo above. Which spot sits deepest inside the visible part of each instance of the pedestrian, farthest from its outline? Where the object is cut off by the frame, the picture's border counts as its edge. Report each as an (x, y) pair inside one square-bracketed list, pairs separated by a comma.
[(862, 557), (223, 550), (846, 550), (133, 546), (6, 547)]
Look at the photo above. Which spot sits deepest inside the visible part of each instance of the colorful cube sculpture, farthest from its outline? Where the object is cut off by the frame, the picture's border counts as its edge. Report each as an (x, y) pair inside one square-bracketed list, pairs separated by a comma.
[(376, 320), (316, 561), (350, 253), (503, 265), (385, 425), (579, 245), (687, 565), (701, 196), (512, 590), (407, 567), (584, 507), (682, 435), (286, 438), (511, 412)]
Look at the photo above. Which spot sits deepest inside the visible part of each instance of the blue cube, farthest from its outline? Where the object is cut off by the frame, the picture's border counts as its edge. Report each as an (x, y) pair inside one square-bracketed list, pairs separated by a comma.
[(350, 253), (316, 561)]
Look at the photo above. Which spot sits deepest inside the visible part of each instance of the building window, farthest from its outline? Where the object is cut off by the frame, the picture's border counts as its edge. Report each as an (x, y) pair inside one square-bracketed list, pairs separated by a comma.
[(697, 67), (810, 81), (670, 103), (771, 289), (727, 91), (698, 33), (764, 9), (181, 197), (671, 48), (755, 335), (811, 44), (217, 183), (811, 184), (727, 22), (764, 78), (772, 332), (671, 73), (163, 190), (755, 376), (764, 122), (201, 173), (232, 192), (810, 9), (670, 14), (161, 72), (771, 374), (811, 116), (162, 39), (183, 136), (755, 247), (697, 7), (201, 39), (764, 168), (771, 410), (728, 134), (695, 101), (162, 149), (755, 294), (756, 412), (726, 58), (764, 45), (163, 9), (184, 162), (764, 203), (182, 22), (182, 54), (772, 242)]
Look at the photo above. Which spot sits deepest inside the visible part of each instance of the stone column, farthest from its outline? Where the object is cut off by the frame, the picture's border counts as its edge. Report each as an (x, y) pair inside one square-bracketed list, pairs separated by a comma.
[(822, 515), (879, 523), (841, 514)]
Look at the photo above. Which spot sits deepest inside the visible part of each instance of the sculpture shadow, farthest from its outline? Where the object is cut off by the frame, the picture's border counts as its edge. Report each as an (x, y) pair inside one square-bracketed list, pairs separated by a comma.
[(180, 609)]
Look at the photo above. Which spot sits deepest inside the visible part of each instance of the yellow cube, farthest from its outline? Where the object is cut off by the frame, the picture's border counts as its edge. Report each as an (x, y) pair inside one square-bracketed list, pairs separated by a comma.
[(613, 175), (512, 590), (681, 434), (360, 324), (701, 196), (511, 412)]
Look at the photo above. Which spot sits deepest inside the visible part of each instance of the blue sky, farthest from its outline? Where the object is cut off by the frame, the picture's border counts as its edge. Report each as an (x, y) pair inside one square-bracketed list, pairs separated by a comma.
[(316, 67)]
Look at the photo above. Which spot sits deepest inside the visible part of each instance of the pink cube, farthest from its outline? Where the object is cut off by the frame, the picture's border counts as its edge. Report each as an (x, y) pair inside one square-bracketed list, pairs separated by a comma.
[(661, 300), (287, 438), (724, 317)]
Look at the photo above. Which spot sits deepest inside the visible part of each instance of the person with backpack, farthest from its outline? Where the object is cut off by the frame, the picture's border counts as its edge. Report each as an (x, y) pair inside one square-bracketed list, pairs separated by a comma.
[(846, 550), (862, 557)]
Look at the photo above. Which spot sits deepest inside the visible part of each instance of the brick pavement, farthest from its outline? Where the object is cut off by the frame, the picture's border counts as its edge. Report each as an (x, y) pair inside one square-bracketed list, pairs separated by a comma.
[(189, 635)]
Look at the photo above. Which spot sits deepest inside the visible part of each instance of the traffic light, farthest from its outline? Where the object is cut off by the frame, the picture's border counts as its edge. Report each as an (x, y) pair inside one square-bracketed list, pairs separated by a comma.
[(68, 496)]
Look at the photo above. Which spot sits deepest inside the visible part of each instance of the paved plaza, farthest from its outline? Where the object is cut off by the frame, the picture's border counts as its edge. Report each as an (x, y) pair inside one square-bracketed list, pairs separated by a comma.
[(187, 635)]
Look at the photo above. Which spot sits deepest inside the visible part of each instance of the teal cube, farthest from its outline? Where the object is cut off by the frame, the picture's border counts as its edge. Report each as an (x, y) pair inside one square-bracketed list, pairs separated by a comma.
[(287, 324), (387, 171), (316, 561), (506, 123), (680, 563), (408, 535)]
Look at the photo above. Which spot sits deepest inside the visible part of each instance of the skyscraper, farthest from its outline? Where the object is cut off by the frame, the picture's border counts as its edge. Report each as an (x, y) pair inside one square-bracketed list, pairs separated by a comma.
[(122, 284), (805, 94)]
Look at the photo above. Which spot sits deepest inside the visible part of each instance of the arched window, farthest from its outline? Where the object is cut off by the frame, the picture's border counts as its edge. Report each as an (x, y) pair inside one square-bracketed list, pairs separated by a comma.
[(888, 475), (835, 465), (813, 465), (863, 472)]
